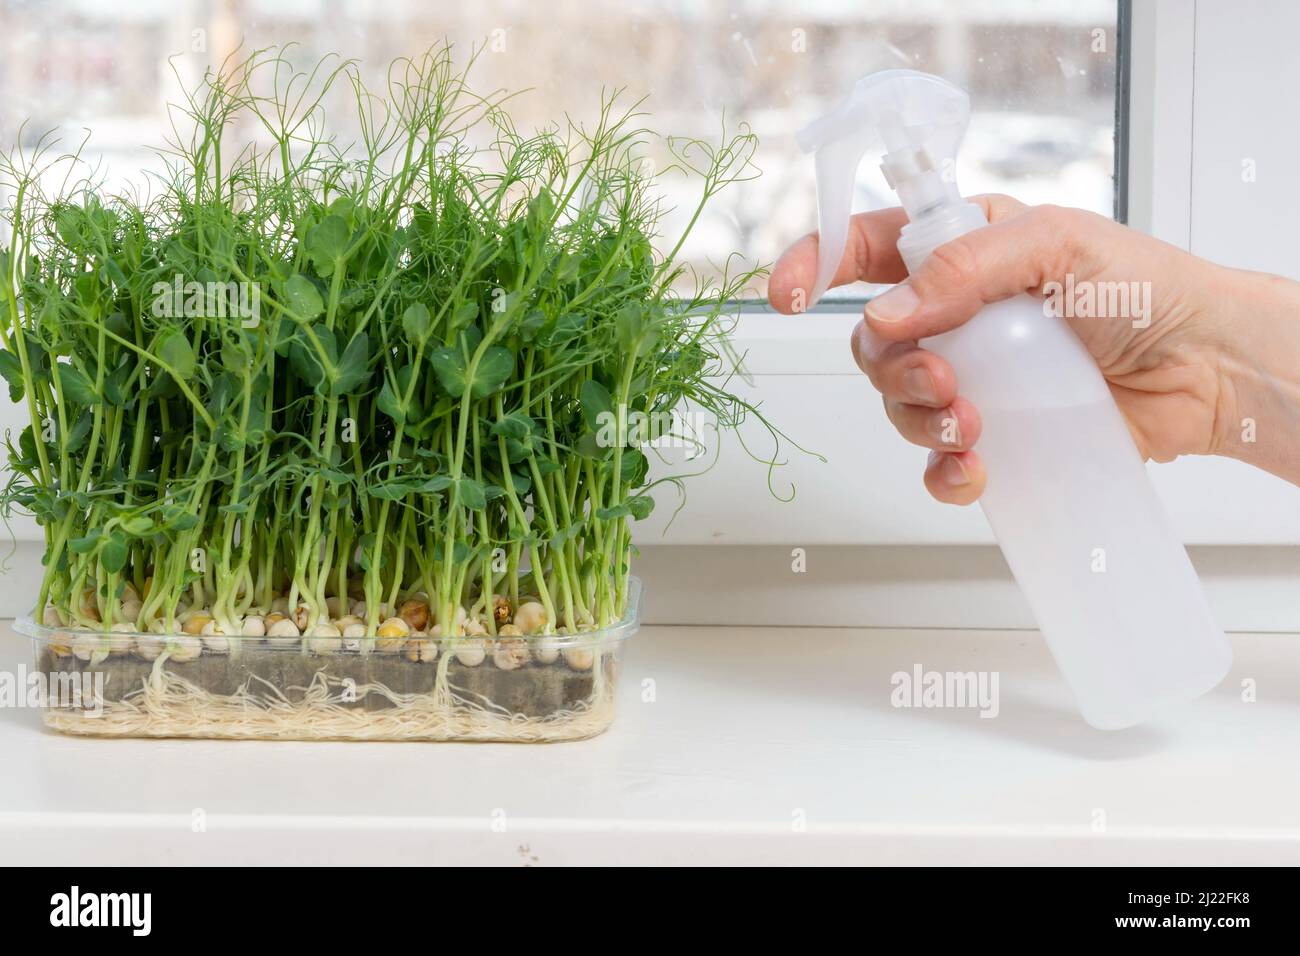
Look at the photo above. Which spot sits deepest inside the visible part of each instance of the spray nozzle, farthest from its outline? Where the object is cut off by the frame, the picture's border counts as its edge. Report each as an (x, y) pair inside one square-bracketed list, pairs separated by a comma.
[(919, 119)]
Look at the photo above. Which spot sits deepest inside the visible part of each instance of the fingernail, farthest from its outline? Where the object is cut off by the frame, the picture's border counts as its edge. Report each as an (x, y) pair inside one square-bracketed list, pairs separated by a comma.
[(944, 427), (953, 473), (919, 385), (895, 305)]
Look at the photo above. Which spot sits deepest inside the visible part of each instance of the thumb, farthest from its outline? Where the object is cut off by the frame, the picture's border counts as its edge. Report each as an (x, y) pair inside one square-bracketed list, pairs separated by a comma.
[(996, 262)]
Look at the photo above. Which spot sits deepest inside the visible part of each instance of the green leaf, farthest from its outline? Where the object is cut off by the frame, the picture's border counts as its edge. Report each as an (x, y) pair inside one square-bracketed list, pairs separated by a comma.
[(394, 490), (629, 325), (463, 315), (12, 370), (113, 273), (79, 431), (326, 244), (87, 544), (416, 322), (185, 522), (333, 476), (303, 297), (520, 483), (564, 535), (436, 484), (390, 404), (352, 368), (305, 357), (472, 494), (531, 324), (112, 557), (567, 327), (541, 210), (515, 425), (449, 365), (115, 392), (77, 388), (597, 404), (137, 526), (495, 366), (589, 446), (633, 468), (641, 506), (174, 349), (459, 552)]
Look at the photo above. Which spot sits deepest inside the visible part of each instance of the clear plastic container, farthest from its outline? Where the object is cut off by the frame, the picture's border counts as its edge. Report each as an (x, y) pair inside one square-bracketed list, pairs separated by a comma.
[(561, 687)]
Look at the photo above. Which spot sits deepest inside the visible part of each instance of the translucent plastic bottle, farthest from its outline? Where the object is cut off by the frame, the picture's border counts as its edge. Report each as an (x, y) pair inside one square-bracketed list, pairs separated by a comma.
[(1068, 496)]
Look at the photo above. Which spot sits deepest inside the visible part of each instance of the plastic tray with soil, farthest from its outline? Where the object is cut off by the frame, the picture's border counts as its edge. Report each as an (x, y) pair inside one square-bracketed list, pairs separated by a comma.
[(413, 687), (343, 434)]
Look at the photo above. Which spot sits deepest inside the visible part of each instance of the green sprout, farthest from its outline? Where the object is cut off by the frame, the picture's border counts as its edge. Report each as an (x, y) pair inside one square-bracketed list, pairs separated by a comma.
[(410, 366)]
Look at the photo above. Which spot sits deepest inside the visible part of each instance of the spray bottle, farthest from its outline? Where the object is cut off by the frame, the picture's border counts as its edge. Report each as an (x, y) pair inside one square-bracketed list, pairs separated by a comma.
[(1068, 497)]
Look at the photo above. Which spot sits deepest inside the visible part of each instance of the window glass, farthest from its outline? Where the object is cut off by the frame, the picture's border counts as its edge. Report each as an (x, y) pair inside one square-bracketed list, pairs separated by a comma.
[(1041, 74)]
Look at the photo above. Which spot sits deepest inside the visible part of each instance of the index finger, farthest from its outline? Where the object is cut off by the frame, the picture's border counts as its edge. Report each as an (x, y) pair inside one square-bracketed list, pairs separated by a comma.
[(870, 255)]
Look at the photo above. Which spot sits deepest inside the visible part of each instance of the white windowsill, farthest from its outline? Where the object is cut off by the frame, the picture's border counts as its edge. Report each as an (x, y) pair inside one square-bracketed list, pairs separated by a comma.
[(816, 343), (751, 731)]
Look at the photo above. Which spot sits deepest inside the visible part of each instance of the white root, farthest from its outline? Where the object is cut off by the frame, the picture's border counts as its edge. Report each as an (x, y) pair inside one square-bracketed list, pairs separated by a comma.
[(175, 707)]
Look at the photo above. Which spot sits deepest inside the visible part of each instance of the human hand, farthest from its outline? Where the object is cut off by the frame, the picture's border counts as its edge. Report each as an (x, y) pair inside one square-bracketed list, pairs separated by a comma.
[(1215, 347)]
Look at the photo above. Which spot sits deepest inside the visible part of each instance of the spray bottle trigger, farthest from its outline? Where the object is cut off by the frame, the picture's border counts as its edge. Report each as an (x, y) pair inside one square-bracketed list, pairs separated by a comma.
[(837, 167)]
